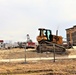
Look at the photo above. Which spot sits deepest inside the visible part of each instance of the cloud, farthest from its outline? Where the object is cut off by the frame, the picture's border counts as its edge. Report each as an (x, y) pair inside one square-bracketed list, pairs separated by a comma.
[(19, 17)]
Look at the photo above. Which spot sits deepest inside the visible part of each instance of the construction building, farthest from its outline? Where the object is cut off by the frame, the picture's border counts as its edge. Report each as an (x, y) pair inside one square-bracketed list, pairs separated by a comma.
[(71, 35)]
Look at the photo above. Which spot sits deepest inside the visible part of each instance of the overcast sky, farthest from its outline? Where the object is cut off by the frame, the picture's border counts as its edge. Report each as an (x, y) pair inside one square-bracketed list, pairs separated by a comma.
[(21, 17)]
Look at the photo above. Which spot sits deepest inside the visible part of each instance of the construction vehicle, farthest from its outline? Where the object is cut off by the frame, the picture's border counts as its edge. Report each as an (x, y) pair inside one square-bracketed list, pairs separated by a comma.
[(46, 41), (30, 43)]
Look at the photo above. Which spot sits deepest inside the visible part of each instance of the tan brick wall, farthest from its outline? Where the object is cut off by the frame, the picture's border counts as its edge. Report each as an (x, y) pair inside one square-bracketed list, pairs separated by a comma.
[(72, 32)]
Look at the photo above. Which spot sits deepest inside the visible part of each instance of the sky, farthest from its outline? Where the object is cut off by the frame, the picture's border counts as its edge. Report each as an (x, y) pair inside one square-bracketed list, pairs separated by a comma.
[(21, 17)]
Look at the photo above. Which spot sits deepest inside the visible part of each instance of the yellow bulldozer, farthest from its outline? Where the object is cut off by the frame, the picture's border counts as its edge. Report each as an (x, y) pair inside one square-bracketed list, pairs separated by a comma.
[(46, 41)]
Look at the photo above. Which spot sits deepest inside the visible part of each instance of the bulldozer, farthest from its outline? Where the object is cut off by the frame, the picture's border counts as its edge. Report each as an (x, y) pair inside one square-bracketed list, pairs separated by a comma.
[(46, 41)]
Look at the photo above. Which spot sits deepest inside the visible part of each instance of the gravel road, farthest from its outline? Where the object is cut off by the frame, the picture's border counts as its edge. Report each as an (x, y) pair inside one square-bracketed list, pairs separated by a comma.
[(36, 59)]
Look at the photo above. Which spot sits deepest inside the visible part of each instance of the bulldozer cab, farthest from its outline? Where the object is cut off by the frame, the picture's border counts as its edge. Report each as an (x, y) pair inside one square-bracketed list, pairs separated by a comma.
[(46, 34)]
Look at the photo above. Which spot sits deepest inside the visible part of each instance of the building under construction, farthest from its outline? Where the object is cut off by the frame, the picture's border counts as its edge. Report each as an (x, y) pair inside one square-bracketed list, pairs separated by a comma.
[(71, 35)]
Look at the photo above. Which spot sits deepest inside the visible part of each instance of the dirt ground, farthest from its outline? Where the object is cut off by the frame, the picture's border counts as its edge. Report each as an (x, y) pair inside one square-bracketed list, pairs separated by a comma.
[(30, 53), (59, 67)]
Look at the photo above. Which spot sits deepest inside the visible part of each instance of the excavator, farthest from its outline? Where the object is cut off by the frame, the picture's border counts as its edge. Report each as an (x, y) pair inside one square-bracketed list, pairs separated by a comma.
[(46, 41)]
